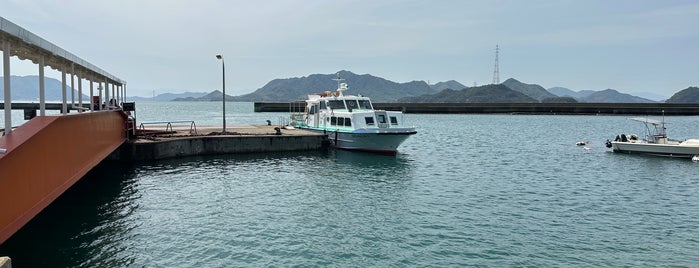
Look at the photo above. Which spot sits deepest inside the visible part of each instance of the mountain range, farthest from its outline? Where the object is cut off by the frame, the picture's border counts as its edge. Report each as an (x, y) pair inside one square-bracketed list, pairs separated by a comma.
[(26, 88), (382, 90), (480, 94), (607, 95), (378, 89), (169, 96)]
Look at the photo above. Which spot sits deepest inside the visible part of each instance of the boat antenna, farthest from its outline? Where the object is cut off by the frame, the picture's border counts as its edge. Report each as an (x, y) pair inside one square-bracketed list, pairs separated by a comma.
[(664, 134), (338, 79)]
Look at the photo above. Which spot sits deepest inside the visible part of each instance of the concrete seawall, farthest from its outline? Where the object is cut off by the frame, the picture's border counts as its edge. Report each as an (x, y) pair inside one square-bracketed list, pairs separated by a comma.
[(512, 108), (242, 140)]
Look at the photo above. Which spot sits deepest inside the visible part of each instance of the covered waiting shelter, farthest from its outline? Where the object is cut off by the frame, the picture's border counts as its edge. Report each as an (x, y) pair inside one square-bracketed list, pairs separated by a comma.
[(19, 42)]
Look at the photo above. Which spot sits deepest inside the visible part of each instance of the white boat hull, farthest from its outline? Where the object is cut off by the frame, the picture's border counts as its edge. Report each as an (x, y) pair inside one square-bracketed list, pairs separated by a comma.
[(385, 142), (671, 150)]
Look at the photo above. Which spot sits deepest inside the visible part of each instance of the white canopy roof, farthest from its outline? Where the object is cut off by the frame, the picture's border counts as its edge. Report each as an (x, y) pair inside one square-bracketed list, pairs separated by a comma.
[(26, 45), (648, 121)]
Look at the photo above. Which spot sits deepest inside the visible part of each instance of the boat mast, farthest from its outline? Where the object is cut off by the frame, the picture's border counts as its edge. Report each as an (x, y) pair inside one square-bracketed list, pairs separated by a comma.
[(663, 125), (340, 88), (338, 79)]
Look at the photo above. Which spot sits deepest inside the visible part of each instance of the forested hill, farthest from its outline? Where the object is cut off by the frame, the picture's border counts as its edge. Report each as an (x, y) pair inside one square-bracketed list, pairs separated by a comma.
[(687, 95), (482, 94), (378, 89), (532, 90)]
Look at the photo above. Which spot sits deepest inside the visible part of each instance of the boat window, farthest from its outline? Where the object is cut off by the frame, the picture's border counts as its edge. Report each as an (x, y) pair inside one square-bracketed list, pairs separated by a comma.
[(369, 120), (394, 120), (365, 104), (333, 121), (322, 105), (348, 122), (340, 121), (382, 119), (313, 110), (336, 104), (352, 104)]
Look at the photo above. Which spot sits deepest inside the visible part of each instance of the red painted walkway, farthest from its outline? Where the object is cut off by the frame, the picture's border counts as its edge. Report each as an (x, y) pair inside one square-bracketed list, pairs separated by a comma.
[(47, 155)]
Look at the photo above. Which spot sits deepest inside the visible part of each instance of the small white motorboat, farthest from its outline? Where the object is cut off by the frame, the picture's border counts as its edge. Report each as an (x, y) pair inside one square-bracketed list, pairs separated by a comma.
[(655, 143)]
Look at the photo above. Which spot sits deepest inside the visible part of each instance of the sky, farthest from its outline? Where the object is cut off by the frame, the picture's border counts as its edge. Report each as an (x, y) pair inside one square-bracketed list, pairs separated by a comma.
[(170, 46)]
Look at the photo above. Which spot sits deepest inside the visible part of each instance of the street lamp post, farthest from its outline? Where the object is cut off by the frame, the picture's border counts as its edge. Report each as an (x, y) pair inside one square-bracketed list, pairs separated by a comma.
[(223, 74)]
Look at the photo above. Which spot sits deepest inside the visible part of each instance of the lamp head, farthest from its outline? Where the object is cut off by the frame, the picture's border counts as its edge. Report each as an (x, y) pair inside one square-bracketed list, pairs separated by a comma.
[(218, 56)]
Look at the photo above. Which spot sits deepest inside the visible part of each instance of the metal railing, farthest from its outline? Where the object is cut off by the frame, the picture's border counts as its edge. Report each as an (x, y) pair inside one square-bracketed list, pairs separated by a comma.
[(168, 125)]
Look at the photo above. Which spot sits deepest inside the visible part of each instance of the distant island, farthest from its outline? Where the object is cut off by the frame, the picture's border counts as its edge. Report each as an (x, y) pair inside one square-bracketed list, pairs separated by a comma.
[(688, 95), (379, 90), (382, 90)]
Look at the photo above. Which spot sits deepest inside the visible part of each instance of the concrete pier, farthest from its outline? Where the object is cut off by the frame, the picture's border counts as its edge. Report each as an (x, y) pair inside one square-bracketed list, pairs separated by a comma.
[(209, 141)]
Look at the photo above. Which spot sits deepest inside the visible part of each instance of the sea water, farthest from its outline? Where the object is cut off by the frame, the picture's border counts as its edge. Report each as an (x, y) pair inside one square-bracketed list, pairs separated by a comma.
[(467, 190)]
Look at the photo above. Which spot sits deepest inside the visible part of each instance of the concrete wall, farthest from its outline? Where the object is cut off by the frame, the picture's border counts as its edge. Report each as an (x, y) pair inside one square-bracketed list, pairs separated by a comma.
[(529, 108), (208, 145)]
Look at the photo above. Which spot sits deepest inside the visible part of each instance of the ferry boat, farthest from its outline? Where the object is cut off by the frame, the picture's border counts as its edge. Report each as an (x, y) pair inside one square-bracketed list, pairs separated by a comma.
[(351, 123), (656, 142)]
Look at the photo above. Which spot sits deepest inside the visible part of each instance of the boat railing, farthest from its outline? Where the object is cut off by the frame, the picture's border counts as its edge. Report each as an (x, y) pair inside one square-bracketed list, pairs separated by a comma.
[(168, 125), (296, 119)]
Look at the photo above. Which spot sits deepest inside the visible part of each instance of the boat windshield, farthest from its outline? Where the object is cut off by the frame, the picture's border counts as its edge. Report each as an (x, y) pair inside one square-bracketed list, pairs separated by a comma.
[(365, 104), (351, 104), (336, 104)]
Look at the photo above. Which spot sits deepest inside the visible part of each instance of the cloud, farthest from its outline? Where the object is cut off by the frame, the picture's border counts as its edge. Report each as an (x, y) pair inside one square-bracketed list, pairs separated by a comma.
[(154, 45)]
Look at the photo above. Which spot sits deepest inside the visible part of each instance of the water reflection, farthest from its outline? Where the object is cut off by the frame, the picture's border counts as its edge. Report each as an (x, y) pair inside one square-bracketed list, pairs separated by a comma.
[(366, 165), (86, 226)]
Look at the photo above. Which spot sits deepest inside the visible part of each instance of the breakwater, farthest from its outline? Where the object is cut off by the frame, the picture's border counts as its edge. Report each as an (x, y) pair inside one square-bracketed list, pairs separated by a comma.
[(511, 108)]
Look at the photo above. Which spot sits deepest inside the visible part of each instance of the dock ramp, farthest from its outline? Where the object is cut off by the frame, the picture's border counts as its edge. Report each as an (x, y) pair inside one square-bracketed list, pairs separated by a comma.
[(47, 155)]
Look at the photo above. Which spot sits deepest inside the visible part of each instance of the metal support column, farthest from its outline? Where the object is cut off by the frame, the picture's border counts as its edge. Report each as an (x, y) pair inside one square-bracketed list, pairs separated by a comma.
[(92, 102), (106, 95), (100, 89), (72, 85), (42, 89), (8, 96), (64, 107), (80, 94)]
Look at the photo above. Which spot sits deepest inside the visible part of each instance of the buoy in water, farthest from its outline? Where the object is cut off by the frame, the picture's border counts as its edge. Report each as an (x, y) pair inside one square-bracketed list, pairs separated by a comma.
[(581, 143)]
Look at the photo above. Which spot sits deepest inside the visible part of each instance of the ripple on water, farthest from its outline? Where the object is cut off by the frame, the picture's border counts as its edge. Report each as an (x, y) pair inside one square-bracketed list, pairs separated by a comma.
[(467, 190)]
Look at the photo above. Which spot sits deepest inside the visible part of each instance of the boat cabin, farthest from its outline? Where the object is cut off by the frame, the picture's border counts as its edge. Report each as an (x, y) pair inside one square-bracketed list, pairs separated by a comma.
[(336, 111)]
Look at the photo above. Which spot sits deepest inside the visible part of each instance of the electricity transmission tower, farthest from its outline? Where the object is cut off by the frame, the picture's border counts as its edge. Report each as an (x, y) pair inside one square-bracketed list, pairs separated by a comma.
[(496, 71)]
